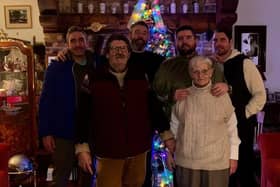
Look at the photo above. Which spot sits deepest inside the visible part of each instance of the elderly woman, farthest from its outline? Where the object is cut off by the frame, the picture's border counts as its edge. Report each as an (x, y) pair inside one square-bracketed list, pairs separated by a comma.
[(206, 132)]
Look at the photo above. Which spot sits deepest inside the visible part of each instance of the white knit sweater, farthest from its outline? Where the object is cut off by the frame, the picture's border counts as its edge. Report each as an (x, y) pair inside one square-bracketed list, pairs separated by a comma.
[(205, 130)]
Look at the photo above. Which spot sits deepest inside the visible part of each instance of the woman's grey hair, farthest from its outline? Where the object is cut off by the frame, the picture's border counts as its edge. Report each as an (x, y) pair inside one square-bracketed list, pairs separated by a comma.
[(199, 58)]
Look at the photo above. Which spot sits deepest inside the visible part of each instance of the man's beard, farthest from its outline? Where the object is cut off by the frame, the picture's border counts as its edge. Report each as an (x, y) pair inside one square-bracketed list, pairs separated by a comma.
[(138, 44), (221, 52), (187, 52)]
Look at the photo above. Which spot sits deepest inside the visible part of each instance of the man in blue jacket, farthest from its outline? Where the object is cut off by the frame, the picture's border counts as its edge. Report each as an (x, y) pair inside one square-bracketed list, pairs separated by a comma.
[(57, 104)]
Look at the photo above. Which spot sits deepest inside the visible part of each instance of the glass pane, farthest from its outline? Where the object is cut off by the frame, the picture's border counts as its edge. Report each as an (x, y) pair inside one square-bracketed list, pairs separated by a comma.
[(13, 72)]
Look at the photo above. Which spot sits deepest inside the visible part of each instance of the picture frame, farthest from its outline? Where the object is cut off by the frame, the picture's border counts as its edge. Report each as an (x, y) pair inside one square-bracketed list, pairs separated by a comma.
[(49, 59), (271, 98), (277, 97), (18, 16), (251, 41)]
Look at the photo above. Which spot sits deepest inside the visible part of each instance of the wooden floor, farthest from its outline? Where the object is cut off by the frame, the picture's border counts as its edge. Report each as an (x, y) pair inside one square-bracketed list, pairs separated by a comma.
[(43, 183), (38, 184), (28, 181)]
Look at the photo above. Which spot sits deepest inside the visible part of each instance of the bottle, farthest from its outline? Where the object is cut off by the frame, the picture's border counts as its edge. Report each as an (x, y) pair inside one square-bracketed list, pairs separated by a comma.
[(126, 8), (173, 7), (184, 6), (90, 7), (102, 7), (162, 7), (195, 7), (114, 7), (80, 7)]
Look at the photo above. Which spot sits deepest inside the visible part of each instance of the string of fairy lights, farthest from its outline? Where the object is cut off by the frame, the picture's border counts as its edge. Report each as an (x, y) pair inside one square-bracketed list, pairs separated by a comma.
[(162, 177)]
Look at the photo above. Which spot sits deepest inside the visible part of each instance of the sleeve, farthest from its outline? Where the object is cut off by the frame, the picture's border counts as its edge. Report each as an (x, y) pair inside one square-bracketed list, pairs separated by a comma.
[(83, 112), (160, 83), (46, 103), (233, 136), (255, 86), (161, 86), (159, 120), (174, 122), (218, 75), (81, 147)]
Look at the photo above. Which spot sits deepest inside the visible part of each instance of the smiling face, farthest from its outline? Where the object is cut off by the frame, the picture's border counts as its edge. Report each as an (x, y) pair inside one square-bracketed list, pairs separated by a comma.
[(222, 44), (201, 71), (77, 43), (185, 42), (118, 55), (139, 35)]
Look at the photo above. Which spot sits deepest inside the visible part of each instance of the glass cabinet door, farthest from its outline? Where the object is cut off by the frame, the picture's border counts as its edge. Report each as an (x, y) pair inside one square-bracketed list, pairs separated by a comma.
[(17, 106), (13, 74)]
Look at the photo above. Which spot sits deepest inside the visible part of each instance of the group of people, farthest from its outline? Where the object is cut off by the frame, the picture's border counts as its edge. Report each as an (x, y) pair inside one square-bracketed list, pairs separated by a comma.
[(107, 112)]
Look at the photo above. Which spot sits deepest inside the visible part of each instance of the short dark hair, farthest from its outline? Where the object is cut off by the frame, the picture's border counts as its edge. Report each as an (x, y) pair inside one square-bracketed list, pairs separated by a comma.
[(114, 37), (74, 29), (226, 30), (184, 27), (142, 23)]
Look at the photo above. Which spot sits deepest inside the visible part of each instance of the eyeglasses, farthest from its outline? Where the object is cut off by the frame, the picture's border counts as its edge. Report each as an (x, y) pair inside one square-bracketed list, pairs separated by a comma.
[(202, 72), (118, 48)]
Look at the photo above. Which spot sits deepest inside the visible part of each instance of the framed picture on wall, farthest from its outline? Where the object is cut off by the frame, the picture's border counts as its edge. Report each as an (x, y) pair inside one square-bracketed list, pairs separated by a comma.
[(18, 16), (49, 59), (251, 41)]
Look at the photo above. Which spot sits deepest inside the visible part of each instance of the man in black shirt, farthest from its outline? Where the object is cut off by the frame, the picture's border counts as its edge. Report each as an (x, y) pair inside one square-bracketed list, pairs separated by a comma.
[(139, 36)]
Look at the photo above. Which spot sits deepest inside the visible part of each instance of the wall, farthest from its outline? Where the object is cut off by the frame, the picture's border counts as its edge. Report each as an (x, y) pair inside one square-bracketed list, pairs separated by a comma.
[(25, 34), (260, 12)]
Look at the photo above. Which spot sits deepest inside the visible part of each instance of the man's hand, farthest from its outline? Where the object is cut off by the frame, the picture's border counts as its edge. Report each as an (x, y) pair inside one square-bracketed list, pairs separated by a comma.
[(49, 143), (170, 145), (218, 58), (219, 89), (232, 166), (85, 162), (181, 94), (61, 55), (170, 162)]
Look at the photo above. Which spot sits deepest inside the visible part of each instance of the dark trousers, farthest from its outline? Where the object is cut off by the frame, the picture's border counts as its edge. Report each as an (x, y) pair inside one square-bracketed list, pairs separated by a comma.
[(85, 179), (245, 174), (64, 160), (196, 178)]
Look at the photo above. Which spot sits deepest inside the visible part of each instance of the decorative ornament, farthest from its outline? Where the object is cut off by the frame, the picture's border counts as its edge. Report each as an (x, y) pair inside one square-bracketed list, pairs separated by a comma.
[(96, 26)]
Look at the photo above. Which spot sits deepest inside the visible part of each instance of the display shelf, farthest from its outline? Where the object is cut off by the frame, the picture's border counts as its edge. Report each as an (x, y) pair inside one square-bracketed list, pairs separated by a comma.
[(17, 106), (58, 23)]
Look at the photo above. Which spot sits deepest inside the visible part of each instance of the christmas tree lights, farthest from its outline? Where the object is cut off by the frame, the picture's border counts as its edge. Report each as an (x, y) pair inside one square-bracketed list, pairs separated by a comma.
[(160, 41), (162, 177)]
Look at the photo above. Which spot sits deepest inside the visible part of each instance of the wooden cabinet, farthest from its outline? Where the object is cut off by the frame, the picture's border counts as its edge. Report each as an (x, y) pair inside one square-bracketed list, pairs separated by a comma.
[(17, 107), (58, 15), (53, 20)]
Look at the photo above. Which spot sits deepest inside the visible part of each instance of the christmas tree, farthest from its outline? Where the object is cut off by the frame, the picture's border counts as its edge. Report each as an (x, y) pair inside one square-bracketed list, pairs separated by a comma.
[(160, 41)]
